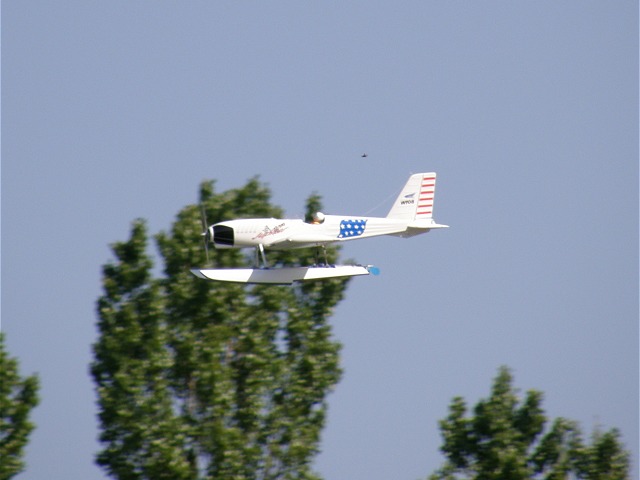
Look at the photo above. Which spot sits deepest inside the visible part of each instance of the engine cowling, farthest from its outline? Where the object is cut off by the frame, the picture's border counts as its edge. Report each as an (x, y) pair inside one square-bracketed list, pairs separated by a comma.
[(223, 236)]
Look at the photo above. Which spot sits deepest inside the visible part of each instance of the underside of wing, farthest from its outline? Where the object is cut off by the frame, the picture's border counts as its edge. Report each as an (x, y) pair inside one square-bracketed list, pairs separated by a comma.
[(282, 276), (300, 242)]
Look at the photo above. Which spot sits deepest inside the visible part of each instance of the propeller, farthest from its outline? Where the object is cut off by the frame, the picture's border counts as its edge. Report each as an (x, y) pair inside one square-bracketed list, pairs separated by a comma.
[(206, 233)]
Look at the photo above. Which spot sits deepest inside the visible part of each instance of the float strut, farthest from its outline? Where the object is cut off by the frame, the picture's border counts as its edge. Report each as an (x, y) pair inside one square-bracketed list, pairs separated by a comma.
[(324, 250), (262, 255)]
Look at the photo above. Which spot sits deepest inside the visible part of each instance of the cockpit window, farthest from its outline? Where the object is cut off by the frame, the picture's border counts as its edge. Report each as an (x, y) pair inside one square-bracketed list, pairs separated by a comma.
[(317, 218)]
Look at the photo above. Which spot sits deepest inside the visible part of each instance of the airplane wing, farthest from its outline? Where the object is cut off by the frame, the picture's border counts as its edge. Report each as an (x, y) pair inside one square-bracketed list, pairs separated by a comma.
[(283, 276)]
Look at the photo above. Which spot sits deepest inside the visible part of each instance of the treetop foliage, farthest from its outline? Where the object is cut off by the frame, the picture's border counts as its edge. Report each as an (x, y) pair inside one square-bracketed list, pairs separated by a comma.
[(504, 438), (208, 380), (18, 396)]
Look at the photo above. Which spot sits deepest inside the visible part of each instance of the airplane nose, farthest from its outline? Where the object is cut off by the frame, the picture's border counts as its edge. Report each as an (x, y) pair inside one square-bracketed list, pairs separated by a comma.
[(223, 236)]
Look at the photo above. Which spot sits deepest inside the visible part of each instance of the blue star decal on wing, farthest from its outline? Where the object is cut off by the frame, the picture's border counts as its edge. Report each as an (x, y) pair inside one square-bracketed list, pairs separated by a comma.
[(352, 228)]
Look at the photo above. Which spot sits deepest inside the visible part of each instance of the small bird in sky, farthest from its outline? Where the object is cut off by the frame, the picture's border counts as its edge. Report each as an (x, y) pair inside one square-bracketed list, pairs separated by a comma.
[(364, 155)]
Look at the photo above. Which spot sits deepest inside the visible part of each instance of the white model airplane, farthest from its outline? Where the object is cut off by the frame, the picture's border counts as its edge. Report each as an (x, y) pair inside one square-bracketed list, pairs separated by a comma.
[(410, 215)]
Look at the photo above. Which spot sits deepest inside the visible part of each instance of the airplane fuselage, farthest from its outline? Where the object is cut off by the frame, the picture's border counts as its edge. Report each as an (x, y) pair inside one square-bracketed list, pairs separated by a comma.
[(280, 234)]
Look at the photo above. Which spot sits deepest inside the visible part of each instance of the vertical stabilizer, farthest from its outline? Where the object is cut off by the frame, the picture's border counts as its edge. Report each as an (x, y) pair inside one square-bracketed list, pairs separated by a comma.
[(415, 202)]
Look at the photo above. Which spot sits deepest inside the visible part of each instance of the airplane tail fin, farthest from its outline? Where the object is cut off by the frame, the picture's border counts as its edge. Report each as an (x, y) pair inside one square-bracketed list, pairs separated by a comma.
[(415, 202)]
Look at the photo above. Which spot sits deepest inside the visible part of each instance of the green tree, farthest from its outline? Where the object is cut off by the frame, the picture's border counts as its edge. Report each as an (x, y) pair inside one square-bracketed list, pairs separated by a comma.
[(212, 380), (18, 396), (505, 439)]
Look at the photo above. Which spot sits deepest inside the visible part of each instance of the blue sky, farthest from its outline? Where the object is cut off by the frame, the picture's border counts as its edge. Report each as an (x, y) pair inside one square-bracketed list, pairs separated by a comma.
[(528, 112)]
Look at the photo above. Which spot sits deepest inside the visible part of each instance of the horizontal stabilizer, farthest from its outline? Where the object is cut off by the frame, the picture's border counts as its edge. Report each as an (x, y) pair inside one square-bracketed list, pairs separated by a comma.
[(426, 224), (281, 276)]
